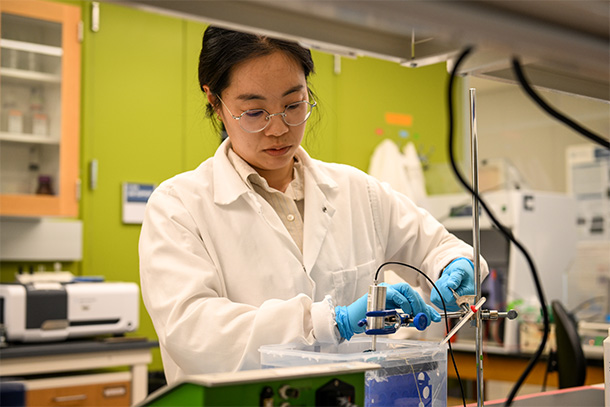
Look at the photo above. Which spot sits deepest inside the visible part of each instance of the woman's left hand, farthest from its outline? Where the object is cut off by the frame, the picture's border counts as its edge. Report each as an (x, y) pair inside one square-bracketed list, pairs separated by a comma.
[(459, 276)]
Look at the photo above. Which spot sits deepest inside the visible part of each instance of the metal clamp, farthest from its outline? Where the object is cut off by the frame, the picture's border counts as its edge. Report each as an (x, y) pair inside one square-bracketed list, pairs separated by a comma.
[(388, 321)]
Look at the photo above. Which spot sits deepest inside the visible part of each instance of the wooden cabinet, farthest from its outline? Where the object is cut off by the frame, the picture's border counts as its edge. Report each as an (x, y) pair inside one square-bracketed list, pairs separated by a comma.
[(39, 108), (60, 369), (86, 390)]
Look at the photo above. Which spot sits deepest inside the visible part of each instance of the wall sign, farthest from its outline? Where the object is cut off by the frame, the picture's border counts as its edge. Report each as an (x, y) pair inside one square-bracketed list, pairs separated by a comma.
[(135, 197)]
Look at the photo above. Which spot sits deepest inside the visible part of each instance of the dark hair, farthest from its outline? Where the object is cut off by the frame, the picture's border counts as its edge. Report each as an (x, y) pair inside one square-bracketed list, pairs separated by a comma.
[(222, 49)]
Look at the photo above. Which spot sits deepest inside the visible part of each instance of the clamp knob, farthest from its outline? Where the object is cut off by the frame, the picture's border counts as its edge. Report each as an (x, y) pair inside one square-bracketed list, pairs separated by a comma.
[(420, 321)]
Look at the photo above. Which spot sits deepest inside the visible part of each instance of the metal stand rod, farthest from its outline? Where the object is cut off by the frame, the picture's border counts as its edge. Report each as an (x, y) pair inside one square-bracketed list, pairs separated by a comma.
[(476, 244)]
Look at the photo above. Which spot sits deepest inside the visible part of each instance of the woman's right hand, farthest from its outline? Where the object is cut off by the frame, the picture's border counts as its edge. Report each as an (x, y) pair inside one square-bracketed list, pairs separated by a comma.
[(400, 295)]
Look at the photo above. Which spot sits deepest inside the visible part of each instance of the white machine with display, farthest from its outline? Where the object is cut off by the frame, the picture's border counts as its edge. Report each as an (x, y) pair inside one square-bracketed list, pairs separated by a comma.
[(41, 311), (543, 222)]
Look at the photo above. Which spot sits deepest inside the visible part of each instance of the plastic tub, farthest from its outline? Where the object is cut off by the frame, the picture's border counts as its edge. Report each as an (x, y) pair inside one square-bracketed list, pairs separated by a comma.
[(413, 373)]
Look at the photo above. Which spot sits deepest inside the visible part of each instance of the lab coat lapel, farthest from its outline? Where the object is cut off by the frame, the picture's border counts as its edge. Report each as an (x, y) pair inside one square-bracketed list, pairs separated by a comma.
[(228, 187), (319, 212)]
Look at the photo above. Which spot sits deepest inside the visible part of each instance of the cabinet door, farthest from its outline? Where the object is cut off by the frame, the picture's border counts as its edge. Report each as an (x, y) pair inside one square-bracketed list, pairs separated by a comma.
[(103, 394), (40, 104), (133, 83)]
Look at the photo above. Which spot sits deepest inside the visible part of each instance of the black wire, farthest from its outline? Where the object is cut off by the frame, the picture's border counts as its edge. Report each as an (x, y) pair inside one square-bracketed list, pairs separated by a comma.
[(444, 310), (505, 232), (554, 113)]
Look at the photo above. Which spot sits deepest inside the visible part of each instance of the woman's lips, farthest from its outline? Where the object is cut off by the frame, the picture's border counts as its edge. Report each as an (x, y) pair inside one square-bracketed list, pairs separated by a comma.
[(276, 152)]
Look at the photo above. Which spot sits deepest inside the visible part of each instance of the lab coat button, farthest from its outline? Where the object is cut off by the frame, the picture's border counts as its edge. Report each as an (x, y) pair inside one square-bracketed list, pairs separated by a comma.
[(290, 217)]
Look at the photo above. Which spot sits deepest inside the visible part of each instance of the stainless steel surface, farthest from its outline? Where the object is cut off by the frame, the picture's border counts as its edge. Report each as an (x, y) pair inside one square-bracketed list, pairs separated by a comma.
[(486, 314), (565, 42), (456, 314), (476, 243), (375, 302), (463, 301), (466, 318)]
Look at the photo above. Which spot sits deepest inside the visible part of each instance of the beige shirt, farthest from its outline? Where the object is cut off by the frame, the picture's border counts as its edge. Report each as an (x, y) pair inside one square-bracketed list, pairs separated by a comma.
[(289, 205)]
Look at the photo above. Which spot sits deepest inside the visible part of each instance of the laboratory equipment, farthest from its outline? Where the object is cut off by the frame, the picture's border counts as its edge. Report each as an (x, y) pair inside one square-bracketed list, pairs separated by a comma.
[(476, 244), (588, 181), (544, 222), (339, 384), (42, 311), (381, 321), (467, 315), (411, 373)]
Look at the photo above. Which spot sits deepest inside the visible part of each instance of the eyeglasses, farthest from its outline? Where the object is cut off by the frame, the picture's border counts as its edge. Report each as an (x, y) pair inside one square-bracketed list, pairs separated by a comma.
[(255, 120)]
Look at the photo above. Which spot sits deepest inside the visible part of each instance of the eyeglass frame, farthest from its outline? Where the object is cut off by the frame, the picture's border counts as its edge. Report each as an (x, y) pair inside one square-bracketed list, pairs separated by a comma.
[(269, 115)]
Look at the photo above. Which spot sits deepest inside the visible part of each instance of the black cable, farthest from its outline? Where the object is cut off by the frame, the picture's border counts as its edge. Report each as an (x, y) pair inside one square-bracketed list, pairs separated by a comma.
[(444, 310), (554, 113), (505, 232)]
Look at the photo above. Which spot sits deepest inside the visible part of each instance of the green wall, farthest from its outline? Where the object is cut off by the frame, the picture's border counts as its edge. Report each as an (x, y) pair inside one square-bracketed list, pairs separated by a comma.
[(143, 121)]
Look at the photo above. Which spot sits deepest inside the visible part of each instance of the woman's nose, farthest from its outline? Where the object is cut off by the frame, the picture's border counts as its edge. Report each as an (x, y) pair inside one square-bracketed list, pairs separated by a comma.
[(276, 126)]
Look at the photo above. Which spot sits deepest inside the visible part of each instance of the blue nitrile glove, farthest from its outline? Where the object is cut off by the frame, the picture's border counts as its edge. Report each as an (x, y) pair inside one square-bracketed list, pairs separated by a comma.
[(347, 317), (402, 295), (399, 295), (459, 275)]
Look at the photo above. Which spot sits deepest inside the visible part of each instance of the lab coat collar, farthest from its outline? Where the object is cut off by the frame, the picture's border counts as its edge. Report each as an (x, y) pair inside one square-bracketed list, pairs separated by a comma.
[(228, 185)]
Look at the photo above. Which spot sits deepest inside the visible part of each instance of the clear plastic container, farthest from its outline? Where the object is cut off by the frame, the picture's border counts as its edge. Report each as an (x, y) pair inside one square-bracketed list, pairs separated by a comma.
[(412, 373)]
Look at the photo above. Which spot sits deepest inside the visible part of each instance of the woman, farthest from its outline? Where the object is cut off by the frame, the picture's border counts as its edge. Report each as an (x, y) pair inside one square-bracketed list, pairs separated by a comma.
[(261, 244)]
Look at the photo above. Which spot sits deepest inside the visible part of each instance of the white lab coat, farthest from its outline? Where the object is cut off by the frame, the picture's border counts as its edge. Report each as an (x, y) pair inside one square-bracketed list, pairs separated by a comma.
[(402, 170), (221, 275)]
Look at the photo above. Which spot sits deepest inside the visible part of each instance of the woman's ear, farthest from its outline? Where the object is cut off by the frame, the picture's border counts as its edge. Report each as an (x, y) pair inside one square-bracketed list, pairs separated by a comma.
[(212, 99)]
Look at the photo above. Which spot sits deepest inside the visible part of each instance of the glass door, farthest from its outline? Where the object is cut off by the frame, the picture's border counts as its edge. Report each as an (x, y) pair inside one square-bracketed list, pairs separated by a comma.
[(30, 123), (38, 113)]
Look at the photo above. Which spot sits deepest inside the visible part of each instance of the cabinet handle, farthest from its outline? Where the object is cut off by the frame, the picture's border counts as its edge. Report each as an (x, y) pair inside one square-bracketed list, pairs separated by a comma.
[(93, 168), (76, 397), (95, 16), (116, 391)]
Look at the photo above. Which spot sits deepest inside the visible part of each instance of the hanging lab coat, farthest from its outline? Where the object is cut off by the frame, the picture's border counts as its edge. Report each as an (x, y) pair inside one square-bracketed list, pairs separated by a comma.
[(402, 170), (221, 275)]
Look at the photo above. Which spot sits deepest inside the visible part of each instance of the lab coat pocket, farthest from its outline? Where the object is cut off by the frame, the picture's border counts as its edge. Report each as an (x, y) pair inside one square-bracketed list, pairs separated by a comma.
[(350, 284)]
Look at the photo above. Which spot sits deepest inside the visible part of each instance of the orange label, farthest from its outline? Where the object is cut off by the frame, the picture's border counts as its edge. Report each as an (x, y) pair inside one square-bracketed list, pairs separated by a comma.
[(399, 119)]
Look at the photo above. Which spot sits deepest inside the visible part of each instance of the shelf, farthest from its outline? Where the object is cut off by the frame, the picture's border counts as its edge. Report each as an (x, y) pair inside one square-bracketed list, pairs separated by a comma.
[(27, 138), (31, 47), (32, 76)]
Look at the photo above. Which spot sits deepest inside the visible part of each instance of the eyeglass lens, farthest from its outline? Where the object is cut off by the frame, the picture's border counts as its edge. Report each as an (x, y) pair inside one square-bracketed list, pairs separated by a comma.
[(257, 119)]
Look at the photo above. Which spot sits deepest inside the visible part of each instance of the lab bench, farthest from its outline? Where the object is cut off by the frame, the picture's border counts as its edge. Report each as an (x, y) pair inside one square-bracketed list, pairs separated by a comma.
[(508, 367), (67, 370)]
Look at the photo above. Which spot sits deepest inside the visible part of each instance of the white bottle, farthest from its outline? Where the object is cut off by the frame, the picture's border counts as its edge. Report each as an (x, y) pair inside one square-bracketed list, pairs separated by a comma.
[(13, 117), (37, 116)]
